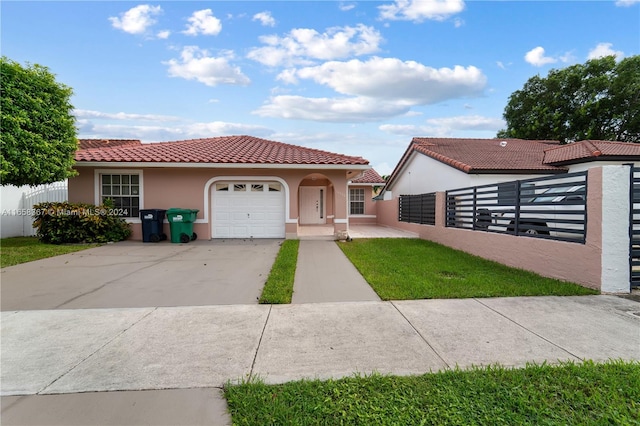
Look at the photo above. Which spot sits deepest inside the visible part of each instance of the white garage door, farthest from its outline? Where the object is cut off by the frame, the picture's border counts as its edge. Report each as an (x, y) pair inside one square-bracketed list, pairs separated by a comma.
[(248, 210)]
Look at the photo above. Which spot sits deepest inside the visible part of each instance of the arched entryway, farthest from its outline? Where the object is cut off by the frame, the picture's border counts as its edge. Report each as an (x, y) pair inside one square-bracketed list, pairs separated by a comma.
[(316, 205)]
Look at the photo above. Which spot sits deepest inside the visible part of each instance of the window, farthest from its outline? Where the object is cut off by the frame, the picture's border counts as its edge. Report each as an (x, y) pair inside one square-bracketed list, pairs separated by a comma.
[(275, 187), (256, 187), (239, 187), (124, 191), (356, 201), (222, 187)]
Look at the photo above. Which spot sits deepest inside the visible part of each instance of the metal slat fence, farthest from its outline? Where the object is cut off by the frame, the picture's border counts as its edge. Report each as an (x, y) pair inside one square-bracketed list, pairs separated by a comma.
[(417, 209), (552, 207)]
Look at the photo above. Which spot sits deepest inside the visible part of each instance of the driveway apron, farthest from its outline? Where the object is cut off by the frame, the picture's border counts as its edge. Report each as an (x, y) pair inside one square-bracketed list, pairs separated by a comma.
[(136, 275)]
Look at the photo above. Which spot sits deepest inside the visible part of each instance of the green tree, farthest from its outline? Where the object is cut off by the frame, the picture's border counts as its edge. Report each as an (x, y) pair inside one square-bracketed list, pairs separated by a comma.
[(597, 100), (38, 136)]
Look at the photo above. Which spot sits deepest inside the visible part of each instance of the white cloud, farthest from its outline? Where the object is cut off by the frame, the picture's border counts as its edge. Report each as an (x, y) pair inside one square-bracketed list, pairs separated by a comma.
[(626, 3), (336, 110), (265, 19), (88, 130), (137, 19), (567, 57), (445, 126), (196, 64), (409, 129), (164, 34), (406, 82), (419, 10), (604, 49), (183, 130), (221, 128), (87, 114), (468, 122), (345, 7), (203, 22), (375, 89), (303, 45), (537, 58)]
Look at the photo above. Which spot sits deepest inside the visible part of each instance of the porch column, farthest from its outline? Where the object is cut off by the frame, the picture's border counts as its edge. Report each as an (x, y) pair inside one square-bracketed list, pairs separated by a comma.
[(340, 205)]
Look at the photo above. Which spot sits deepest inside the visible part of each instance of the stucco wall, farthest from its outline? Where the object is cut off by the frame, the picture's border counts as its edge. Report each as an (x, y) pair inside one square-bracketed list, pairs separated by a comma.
[(580, 263), (615, 228), (370, 207), (165, 188), (424, 174)]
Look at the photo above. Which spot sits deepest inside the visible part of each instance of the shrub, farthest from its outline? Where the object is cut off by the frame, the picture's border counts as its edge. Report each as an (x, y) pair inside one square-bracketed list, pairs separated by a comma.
[(60, 223)]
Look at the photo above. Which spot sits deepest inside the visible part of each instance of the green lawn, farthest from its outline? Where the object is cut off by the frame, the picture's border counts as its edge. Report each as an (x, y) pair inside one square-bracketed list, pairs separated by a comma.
[(18, 250), (401, 269), (279, 286), (568, 394)]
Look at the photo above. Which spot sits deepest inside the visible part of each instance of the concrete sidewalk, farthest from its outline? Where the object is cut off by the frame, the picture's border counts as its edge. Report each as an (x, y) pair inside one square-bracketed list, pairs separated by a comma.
[(324, 274), (76, 351)]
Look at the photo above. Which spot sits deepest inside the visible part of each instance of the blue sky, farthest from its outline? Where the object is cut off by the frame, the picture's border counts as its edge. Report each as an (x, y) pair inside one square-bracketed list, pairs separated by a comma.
[(359, 78)]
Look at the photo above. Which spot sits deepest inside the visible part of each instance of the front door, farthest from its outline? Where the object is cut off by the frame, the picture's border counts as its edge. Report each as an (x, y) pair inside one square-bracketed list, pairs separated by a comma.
[(312, 205)]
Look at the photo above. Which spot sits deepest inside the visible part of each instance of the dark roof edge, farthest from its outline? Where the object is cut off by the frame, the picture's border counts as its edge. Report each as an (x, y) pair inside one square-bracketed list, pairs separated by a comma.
[(516, 171), (595, 159)]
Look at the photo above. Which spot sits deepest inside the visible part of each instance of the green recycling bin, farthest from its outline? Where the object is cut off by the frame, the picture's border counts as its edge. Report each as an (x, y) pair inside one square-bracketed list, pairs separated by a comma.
[(181, 224)]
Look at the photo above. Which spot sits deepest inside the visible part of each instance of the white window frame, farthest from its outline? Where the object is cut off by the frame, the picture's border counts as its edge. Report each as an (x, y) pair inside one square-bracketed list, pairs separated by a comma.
[(98, 187), (352, 200)]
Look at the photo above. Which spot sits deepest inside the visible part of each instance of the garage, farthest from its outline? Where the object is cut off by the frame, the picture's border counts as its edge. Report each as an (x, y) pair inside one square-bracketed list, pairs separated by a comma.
[(247, 209)]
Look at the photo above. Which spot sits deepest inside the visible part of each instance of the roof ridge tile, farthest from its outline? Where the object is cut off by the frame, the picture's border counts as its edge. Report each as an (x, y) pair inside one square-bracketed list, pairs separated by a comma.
[(241, 149)]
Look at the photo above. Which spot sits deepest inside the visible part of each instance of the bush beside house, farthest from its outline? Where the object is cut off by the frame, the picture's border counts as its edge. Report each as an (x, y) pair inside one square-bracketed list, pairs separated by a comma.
[(59, 223)]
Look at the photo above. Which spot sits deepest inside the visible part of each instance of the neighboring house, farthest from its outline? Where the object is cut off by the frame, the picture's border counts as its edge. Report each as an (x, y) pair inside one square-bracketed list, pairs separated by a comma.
[(439, 164), (362, 189), (243, 187), (603, 258)]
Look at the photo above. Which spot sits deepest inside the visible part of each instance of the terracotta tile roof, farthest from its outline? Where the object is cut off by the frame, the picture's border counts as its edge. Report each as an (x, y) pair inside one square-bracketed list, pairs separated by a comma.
[(225, 149), (106, 143), (582, 151), (370, 176), (488, 155)]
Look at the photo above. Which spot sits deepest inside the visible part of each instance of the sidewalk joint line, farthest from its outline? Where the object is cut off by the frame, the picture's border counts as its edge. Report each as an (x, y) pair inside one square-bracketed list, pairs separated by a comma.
[(526, 329), (255, 356), (420, 334), (96, 351)]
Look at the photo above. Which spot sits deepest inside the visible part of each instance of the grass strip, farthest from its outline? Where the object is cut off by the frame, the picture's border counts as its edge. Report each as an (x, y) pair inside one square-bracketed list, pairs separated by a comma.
[(570, 393), (279, 286), (408, 269), (14, 251)]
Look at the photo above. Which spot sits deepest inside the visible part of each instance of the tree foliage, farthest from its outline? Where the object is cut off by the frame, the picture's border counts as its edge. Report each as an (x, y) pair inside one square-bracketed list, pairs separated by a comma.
[(597, 100), (38, 138)]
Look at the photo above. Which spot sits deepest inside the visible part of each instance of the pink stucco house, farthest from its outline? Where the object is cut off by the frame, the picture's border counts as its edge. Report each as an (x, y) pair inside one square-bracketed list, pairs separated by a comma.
[(243, 186)]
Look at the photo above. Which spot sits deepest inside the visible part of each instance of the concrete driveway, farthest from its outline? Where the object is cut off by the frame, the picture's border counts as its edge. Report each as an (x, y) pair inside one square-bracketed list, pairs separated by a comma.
[(134, 274)]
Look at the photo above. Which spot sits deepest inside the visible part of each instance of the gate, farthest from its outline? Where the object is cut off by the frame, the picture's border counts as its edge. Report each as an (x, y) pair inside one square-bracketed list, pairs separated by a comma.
[(634, 228)]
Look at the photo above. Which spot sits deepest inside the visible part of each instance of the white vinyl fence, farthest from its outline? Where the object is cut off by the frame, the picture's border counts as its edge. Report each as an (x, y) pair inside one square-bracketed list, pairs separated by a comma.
[(17, 206)]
